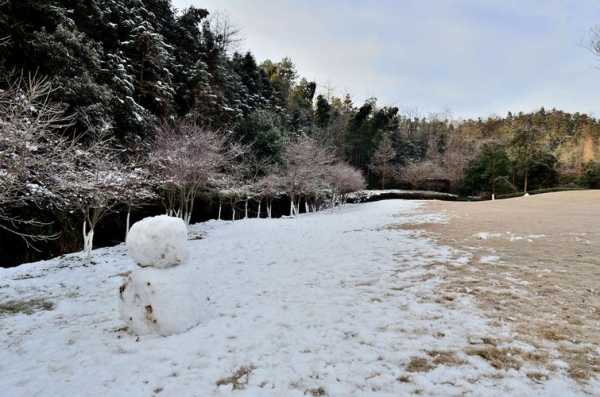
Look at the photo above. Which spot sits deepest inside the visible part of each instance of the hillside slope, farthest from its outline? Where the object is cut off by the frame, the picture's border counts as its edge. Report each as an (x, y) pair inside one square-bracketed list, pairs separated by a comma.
[(336, 303)]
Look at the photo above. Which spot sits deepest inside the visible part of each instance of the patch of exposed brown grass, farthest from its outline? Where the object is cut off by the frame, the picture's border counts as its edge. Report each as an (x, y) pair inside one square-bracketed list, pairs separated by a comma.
[(544, 288), (28, 306), (584, 362), (446, 358), (239, 379), (419, 364), (316, 392), (498, 358), (538, 377)]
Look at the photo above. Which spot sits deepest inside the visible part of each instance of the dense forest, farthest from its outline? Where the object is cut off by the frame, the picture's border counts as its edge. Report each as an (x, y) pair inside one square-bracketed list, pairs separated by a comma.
[(110, 103)]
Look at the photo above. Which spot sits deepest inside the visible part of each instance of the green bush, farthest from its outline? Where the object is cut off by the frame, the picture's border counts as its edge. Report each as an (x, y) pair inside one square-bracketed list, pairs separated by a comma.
[(489, 172), (591, 175)]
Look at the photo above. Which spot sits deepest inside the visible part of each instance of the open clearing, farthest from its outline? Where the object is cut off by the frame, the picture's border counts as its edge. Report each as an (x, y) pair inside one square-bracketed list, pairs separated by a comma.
[(352, 301), (535, 267)]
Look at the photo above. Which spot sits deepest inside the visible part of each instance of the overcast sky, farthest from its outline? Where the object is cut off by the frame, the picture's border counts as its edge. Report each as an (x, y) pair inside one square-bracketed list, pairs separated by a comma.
[(472, 57)]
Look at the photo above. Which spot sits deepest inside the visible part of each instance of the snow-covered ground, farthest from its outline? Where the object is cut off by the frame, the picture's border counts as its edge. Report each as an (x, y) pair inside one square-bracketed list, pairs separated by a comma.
[(334, 303)]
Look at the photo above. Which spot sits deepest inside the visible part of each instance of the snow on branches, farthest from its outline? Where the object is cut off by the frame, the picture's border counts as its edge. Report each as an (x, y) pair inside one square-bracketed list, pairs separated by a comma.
[(187, 157), (42, 165), (312, 172), (31, 153), (344, 180)]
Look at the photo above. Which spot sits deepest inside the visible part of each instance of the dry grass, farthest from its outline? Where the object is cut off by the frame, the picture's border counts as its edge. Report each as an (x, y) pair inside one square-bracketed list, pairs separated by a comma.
[(584, 362), (545, 287), (317, 392), (239, 379), (28, 306), (403, 379), (435, 358), (446, 358), (419, 364), (506, 358)]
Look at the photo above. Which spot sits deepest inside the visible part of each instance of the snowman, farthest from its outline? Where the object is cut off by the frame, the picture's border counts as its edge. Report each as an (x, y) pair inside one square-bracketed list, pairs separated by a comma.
[(160, 296)]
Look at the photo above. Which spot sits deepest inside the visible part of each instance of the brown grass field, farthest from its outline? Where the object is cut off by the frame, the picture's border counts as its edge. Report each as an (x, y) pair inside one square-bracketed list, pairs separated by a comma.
[(535, 268)]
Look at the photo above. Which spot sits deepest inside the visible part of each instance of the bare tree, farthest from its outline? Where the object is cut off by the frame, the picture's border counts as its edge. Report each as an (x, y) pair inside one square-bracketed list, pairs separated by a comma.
[(31, 152), (135, 188), (416, 172), (227, 35), (95, 184), (305, 169), (270, 187), (594, 44), (460, 151), (381, 162), (187, 156), (344, 179)]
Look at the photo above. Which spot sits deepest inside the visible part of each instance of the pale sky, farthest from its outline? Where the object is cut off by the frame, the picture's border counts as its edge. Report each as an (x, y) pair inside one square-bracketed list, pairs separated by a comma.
[(472, 57)]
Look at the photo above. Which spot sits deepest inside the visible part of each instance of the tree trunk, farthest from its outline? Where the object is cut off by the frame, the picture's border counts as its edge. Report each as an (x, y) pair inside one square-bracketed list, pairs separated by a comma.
[(526, 180), (220, 208), (88, 240), (127, 222), (246, 209)]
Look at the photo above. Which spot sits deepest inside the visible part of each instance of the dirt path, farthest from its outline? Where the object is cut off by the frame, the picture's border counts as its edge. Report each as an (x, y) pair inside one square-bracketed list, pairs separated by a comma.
[(535, 267)]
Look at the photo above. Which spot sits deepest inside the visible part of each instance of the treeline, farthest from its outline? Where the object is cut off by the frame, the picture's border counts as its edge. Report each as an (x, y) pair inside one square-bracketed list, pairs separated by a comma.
[(132, 100), (127, 66)]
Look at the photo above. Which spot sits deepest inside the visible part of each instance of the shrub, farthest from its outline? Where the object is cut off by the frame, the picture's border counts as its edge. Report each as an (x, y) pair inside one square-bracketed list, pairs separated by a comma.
[(591, 175)]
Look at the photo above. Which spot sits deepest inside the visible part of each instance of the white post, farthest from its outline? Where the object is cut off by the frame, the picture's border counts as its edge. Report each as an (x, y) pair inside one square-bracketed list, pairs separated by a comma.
[(259, 205), (220, 207), (246, 209)]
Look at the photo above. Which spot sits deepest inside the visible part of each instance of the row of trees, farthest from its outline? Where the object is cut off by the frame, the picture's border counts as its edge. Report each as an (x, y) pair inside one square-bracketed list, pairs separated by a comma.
[(160, 106), (192, 159), (45, 165), (42, 165), (538, 150), (122, 68)]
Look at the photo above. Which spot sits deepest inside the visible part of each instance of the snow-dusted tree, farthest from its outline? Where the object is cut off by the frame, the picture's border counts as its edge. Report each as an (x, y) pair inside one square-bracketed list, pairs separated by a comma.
[(94, 184), (31, 153), (151, 58), (136, 188), (381, 161), (344, 179), (187, 157), (251, 170), (305, 170), (269, 187)]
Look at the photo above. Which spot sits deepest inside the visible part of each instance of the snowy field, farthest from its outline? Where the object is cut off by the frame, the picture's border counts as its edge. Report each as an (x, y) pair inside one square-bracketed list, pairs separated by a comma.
[(336, 303)]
